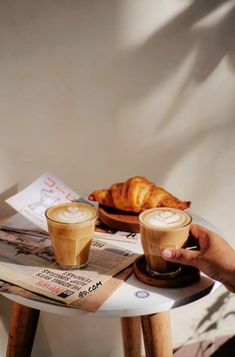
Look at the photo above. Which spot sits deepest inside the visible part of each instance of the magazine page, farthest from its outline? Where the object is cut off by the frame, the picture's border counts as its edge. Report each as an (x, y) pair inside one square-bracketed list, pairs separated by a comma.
[(33, 201), (48, 190)]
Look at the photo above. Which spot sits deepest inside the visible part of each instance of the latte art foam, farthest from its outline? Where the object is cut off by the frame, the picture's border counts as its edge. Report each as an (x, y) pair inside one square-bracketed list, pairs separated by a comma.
[(71, 213), (165, 218)]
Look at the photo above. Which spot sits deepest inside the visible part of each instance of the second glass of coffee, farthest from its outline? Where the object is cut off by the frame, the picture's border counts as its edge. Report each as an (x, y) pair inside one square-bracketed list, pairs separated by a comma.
[(162, 228), (71, 226)]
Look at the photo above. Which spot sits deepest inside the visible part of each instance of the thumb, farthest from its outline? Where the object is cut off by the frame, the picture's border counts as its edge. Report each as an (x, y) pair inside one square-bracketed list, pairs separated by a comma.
[(182, 256)]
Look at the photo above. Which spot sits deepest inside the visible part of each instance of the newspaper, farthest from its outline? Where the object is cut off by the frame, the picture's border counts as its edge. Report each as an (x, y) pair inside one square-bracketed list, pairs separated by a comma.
[(89, 303), (47, 191), (27, 260)]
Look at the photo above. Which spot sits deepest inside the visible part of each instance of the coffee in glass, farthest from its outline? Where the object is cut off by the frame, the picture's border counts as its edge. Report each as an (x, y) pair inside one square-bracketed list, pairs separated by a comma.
[(71, 226), (162, 228)]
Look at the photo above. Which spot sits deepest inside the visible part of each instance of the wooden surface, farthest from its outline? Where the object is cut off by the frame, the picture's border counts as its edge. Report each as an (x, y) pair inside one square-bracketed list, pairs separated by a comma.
[(188, 275), (119, 220), (157, 335), (22, 330), (131, 335)]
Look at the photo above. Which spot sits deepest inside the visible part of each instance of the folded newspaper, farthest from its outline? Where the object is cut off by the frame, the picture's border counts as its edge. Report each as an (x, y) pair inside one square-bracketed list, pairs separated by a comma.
[(27, 260)]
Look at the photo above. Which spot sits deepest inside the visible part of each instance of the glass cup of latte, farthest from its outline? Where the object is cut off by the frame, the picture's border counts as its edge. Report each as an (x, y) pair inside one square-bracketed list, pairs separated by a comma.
[(71, 226), (162, 228)]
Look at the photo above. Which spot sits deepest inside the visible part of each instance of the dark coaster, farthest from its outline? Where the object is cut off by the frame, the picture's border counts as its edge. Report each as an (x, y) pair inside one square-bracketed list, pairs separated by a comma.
[(187, 276)]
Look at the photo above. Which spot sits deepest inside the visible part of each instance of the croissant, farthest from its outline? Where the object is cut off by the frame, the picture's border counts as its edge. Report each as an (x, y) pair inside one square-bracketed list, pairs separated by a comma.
[(136, 195)]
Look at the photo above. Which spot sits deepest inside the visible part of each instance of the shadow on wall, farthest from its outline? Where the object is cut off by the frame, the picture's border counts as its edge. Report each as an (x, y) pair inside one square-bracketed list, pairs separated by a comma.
[(76, 78), (5, 209), (144, 68), (215, 314)]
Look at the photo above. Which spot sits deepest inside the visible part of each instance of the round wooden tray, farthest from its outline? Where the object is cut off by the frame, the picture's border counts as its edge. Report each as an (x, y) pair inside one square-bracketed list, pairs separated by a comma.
[(187, 275), (119, 220)]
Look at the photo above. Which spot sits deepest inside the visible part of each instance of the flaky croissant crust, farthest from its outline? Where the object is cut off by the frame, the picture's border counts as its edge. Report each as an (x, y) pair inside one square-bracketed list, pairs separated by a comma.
[(136, 195)]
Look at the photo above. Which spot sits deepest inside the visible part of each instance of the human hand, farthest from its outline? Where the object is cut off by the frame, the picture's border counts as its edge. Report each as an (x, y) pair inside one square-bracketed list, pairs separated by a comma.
[(215, 257)]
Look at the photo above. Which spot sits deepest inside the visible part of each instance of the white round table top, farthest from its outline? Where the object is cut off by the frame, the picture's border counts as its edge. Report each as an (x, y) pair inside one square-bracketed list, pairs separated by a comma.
[(134, 298)]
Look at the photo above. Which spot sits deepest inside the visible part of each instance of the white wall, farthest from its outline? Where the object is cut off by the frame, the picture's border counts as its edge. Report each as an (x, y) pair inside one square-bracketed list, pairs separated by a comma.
[(98, 91)]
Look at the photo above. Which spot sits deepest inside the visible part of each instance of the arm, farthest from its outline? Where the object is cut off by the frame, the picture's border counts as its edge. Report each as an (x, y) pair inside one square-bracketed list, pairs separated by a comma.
[(216, 258)]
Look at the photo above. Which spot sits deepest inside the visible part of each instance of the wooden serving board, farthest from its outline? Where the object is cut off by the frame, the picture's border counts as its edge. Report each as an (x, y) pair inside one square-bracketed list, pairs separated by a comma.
[(119, 220)]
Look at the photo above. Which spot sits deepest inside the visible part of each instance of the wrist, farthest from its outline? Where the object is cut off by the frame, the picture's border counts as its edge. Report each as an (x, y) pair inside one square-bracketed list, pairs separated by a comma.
[(230, 279)]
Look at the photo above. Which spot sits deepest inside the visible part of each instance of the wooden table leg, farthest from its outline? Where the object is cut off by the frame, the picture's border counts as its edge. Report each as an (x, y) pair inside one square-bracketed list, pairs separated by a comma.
[(131, 334), (22, 329), (157, 335)]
